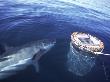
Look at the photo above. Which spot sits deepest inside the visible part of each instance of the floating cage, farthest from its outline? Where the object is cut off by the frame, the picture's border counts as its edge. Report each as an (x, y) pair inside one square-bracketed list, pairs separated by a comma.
[(87, 43)]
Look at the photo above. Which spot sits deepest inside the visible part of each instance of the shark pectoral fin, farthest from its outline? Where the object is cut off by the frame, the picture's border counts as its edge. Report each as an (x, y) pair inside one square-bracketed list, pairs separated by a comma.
[(36, 58), (36, 65)]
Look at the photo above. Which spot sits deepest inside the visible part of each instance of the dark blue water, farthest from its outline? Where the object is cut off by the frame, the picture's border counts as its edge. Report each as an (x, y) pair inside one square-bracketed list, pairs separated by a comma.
[(24, 21)]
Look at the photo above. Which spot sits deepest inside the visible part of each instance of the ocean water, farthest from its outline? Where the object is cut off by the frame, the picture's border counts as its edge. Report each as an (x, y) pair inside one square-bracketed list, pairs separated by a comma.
[(23, 21)]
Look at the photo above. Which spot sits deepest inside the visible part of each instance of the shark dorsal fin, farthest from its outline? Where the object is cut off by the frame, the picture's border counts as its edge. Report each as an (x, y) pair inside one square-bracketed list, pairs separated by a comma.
[(4, 48)]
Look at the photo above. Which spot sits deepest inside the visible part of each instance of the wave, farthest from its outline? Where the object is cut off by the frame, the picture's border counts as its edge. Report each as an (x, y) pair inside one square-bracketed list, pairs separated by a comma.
[(86, 14)]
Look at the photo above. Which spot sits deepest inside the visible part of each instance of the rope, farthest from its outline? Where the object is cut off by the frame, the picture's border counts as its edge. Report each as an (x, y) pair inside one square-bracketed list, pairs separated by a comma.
[(101, 53)]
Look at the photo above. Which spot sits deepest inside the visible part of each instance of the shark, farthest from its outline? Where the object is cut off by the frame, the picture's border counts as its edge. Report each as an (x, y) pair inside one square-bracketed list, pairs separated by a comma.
[(17, 58)]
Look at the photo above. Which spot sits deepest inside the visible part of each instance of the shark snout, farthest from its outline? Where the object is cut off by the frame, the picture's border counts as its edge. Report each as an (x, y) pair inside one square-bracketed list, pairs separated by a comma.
[(47, 44)]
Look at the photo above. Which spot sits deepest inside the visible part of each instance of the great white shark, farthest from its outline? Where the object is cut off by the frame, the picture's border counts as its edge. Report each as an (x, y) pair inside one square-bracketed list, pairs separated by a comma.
[(17, 58)]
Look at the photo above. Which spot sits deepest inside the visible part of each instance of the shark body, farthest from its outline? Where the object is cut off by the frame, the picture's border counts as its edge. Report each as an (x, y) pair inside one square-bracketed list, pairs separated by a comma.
[(15, 59)]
